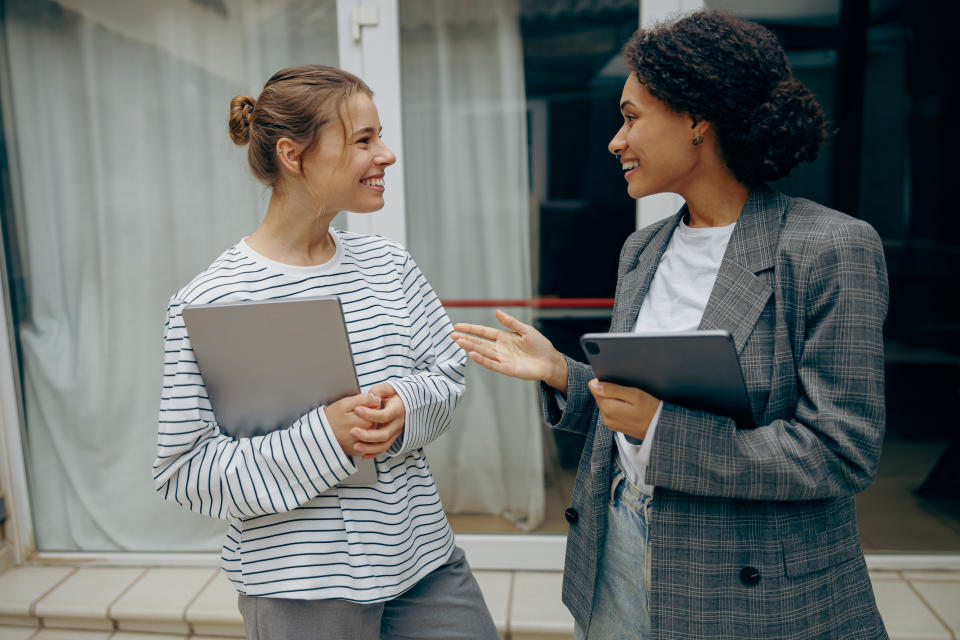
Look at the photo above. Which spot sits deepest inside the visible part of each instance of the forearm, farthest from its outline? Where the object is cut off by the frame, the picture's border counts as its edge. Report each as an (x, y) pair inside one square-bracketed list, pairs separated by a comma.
[(218, 476)]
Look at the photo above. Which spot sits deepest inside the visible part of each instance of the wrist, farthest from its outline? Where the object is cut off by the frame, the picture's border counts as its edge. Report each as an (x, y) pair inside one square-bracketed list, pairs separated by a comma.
[(559, 373)]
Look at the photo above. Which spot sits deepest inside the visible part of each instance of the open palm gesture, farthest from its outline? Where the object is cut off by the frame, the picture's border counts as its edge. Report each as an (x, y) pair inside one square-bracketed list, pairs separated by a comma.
[(520, 351)]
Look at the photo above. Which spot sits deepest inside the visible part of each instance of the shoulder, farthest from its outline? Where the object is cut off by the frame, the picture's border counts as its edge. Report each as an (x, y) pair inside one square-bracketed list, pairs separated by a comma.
[(809, 218), (811, 229), (362, 247), (816, 238), (231, 264)]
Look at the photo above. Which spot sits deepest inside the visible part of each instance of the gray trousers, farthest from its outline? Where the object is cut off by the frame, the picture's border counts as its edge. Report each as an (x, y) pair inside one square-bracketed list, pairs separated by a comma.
[(445, 605)]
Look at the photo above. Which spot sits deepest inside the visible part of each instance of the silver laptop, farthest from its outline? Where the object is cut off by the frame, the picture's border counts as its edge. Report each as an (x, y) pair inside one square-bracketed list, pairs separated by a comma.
[(266, 363)]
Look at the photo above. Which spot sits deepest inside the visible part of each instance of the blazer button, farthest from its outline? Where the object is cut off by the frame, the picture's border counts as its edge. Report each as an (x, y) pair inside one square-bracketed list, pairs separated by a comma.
[(571, 515), (749, 576)]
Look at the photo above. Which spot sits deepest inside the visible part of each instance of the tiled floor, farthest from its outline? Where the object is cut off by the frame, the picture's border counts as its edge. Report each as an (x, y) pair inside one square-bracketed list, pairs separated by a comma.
[(162, 603)]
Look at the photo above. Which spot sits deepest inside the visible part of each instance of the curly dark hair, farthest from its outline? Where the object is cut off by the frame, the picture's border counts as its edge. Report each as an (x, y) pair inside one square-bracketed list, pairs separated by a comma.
[(734, 74)]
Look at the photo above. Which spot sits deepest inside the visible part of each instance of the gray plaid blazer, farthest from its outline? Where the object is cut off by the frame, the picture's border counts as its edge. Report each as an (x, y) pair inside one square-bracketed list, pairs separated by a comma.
[(753, 532)]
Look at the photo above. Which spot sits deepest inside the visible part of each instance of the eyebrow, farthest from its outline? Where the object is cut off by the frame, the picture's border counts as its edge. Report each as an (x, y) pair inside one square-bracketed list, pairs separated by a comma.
[(625, 104), (366, 130)]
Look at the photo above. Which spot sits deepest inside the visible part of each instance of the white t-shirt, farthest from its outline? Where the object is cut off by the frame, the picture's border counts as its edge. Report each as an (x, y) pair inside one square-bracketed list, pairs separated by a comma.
[(678, 295)]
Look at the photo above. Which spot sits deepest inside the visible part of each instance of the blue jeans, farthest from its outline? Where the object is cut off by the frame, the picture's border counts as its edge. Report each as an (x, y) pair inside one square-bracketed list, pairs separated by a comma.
[(620, 597)]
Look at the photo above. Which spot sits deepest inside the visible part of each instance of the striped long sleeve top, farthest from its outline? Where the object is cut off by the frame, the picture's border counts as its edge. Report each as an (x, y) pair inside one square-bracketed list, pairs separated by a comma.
[(294, 533)]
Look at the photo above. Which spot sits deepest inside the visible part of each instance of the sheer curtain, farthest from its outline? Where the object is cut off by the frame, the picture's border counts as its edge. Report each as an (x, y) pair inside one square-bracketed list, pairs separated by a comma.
[(129, 185), (467, 222)]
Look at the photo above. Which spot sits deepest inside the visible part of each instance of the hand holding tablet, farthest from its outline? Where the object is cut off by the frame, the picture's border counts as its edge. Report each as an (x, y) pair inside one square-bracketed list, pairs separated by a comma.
[(693, 369)]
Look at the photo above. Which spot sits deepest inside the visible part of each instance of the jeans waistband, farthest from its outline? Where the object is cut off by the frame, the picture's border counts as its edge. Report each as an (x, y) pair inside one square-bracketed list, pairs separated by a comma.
[(621, 487)]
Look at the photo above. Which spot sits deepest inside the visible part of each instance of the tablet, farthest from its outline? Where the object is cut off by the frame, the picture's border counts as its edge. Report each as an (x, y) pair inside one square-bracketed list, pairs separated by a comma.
[(693, 369), (266, 363)]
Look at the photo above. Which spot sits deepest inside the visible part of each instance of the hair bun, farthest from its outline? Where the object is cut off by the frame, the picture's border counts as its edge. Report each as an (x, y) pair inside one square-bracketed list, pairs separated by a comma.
[(241, 116), (785, 130)]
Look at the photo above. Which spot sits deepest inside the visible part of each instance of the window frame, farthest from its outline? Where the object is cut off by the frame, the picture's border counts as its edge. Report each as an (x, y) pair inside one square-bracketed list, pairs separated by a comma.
[(375, 57)]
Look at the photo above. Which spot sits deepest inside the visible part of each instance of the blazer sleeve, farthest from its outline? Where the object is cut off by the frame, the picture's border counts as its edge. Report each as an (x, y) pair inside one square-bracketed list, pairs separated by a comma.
[(580, 411), (831, 445), (433, 389), (209, 472)]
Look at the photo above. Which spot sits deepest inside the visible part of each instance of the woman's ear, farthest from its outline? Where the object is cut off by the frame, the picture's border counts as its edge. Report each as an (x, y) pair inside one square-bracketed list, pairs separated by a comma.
[(288, 156), (698, 130)]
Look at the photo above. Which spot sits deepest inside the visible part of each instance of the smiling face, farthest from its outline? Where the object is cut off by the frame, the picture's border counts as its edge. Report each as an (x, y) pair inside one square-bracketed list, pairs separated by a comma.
[(654, 144), (347, 173)]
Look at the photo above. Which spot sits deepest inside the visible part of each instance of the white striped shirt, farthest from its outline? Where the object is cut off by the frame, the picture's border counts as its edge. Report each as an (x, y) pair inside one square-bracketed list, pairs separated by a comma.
[(293, 532)]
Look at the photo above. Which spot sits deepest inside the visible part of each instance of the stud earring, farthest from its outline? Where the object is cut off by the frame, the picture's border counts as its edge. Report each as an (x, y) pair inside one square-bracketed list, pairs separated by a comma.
[(696, 140)]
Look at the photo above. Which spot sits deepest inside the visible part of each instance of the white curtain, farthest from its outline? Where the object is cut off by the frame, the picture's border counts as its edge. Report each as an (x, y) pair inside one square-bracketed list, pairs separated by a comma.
[(465, 141), (128, 185)]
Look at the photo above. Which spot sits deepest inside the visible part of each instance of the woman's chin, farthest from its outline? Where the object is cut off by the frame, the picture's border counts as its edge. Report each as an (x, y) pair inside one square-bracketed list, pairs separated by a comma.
[(372, 208), (636, 192)]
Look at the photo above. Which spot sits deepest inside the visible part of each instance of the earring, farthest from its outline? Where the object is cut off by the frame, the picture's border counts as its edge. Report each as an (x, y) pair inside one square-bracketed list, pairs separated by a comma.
[(696, 140)]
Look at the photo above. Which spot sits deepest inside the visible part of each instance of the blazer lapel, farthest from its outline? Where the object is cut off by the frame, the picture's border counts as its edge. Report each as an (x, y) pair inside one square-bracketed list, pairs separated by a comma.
[(636, 282), (739, 295)]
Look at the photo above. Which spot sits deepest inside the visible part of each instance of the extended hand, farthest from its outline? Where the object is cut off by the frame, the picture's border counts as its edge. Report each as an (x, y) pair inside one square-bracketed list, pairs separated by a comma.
[(625, 409), (522, 352), (387, 422)]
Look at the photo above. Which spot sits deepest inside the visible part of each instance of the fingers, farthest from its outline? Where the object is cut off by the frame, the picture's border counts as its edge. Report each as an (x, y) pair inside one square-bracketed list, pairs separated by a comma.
[(368, 399), (612, 391), (389, 412), (625, 409), (372, 442), (387, 426), (483, 352), (487, 363), (483, 347), (383, 389), (490, 333), (479, 346), (478, 330), (372, 436), (512, 323)]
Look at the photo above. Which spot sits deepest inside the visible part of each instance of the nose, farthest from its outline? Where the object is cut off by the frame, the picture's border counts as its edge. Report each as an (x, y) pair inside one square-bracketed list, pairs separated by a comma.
[(384, 157), (619, 142)]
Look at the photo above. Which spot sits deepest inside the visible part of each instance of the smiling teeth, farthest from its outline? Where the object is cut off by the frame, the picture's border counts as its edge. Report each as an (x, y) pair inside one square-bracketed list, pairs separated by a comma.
[(627, 166), (374, 182)]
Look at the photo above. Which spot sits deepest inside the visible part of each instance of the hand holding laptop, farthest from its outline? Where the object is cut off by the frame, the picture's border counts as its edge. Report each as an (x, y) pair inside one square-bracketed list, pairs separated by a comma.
[(346, 421), (367, 424)]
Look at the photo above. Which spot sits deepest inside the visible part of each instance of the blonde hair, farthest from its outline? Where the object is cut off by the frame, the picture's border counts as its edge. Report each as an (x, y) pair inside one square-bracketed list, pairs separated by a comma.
[(296, 103)]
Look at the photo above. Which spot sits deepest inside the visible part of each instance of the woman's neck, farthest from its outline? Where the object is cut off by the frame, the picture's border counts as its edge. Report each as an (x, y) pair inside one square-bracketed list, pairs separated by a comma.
[(293, 233), (715, 197), (716, 205)]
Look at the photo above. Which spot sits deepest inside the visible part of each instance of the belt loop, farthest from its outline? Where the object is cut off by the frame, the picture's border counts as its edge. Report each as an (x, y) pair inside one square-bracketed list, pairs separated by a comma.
[(618, 478)]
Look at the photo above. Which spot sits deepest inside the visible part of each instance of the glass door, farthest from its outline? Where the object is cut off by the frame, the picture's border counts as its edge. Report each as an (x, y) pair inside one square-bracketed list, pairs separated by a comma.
[(513, 201), (124, 185)]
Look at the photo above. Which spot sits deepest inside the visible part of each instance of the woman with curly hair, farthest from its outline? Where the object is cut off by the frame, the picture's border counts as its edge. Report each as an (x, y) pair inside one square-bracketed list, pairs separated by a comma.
[(685, 524)]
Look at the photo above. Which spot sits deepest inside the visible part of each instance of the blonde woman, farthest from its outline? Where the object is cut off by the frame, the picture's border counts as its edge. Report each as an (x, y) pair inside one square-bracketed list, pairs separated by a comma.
[(311, 558)]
